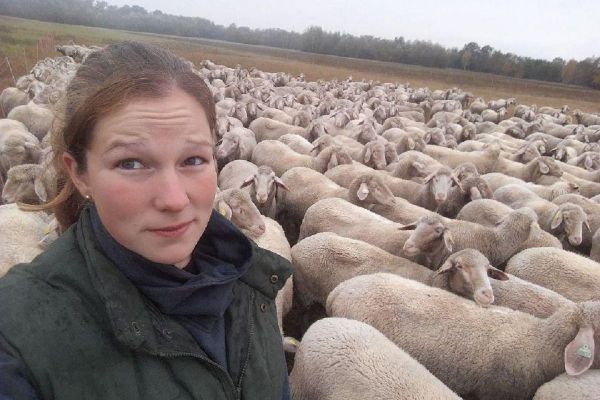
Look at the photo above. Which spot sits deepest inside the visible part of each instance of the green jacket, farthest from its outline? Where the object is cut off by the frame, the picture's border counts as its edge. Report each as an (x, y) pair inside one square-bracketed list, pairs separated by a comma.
[(83, 331)]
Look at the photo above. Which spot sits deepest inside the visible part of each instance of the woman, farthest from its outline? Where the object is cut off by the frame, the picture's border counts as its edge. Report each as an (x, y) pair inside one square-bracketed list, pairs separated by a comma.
[(148, 293)]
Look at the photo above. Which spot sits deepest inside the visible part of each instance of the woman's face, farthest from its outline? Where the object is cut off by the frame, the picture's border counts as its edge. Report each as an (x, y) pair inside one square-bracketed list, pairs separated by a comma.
[(151, 174)]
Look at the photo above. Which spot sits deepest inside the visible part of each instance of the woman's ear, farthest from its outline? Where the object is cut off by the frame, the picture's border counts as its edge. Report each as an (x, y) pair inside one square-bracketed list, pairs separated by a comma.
[(79, 180)]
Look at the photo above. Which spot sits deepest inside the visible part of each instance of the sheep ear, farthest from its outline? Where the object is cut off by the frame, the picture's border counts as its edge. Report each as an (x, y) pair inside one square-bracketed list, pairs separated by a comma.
[(427, 138), (588, 162), (556, 219), (363, 191), (448, 266), (40, 189), (367, 154), (428, 178), (455, 179), (579, 354), (411, 143), (543, 167), (224, 209), (418, 166), (448, 241), (333, 161), (408, 227), (280, 183), (475, 193), (587, 225), (496, 274), (248, 181)]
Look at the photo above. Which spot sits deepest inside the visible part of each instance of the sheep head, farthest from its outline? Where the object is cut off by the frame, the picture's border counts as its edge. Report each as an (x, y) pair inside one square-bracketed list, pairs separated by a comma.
[(471, 272), (440, 182), (570, 218), (430, 235)]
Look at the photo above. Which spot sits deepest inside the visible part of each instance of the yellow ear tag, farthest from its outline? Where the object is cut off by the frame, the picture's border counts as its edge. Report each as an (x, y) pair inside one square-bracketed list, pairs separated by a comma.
[(294, 342), (222, 210), (47, 230)]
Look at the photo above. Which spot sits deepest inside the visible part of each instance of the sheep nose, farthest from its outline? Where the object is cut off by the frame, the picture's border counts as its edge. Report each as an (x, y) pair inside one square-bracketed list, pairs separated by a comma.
[(575, 240), (262, 199), (440, 197), (260, 229), (409, 248), (484, 297)]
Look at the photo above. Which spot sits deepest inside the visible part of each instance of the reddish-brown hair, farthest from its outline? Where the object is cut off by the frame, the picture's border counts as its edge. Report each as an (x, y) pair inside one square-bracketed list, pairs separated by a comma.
[(107, 80)]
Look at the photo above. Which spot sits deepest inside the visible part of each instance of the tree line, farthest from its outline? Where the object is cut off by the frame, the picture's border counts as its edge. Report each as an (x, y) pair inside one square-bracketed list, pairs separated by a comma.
[(314, 39)]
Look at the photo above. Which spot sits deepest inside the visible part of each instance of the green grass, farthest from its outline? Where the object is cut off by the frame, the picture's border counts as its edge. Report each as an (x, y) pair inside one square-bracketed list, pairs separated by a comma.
[(24, 41)]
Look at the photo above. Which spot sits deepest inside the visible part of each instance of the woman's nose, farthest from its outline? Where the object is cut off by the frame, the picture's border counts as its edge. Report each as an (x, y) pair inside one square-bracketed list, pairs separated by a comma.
[(171, 192)]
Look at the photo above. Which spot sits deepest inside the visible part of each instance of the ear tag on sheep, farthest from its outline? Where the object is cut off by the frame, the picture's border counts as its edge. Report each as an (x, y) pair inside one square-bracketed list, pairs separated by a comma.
[(584, 351), (363, 191), (222, 210)]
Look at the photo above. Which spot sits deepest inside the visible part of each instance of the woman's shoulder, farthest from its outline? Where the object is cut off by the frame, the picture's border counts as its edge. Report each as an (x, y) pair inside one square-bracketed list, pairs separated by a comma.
[(268, 271), (36, 284)]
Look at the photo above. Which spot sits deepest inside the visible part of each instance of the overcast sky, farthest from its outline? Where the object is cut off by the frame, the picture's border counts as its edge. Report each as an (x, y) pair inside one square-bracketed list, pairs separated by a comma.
[(534, 28)]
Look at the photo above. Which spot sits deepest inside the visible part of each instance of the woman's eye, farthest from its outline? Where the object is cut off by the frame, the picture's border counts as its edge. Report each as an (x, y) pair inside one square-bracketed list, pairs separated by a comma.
[(194, 161), (130, 164)]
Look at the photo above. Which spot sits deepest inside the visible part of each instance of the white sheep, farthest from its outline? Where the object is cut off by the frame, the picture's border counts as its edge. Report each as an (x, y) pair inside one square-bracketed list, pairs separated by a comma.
[(22, 232), (37, 119), (12, 97), (583, 387), (573, 276), (492, 353), (340, 358), (281, 158)]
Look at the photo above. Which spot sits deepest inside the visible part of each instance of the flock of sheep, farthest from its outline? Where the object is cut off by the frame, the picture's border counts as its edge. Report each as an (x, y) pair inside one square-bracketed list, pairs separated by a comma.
[(442, 245)]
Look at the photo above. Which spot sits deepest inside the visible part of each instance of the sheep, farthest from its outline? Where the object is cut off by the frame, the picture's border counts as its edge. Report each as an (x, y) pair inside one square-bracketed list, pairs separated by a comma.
[(497, 105), (28, 183), (573, 276), (225, 124), (471, 188), (233, 175), (566, 219), (585, 118), (588, 160), (528, 152), (323, 261), (593, 216), (237, 144), (12, 97), (493, 116), (414, 164), (296, 143), (270, 129), (466, 170), (372, 155), (582, 387), (435, 237), (489, 212), (236, 206), (478, 106), (404, 140), (346, 219), (264, 186), (306, 187), (21, 233), (17, 146), (344, 359), (568, 149), (484, 160), (281, 158), (447, 334), (434, 190)]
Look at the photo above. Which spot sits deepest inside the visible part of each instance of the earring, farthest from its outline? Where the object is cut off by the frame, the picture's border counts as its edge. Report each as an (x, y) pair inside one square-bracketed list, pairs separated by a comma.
[(87, 197)]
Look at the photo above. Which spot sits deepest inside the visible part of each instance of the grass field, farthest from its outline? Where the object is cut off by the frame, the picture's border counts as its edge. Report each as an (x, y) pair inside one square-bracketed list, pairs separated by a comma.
[(23, 41)]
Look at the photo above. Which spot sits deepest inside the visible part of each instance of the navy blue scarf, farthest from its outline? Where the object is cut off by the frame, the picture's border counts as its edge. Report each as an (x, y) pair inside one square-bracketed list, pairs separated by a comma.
[(197, 295)]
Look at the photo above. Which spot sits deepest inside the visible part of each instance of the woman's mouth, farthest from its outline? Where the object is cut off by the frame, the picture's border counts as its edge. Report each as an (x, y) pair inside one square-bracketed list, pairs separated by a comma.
[(172, 231)]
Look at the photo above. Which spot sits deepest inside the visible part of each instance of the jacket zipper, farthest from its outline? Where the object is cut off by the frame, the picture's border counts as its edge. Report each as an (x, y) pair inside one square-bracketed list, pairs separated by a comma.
[(213, 364)]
